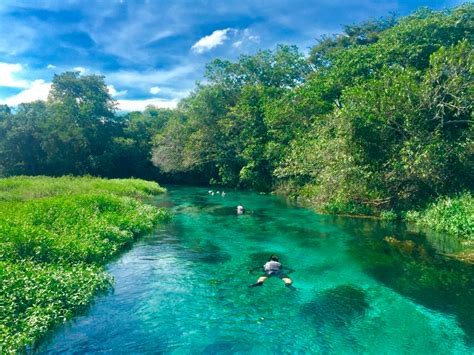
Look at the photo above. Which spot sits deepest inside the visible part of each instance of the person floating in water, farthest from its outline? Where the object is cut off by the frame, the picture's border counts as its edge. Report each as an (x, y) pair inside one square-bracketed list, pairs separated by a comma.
[(240, 209), (273, 267)]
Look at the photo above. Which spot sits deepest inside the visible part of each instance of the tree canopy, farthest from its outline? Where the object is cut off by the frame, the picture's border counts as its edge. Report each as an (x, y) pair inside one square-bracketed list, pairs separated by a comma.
[(377, 117)]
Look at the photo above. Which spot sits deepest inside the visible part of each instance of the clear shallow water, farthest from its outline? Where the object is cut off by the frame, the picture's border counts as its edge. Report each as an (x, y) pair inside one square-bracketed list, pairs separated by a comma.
[(184, 288)]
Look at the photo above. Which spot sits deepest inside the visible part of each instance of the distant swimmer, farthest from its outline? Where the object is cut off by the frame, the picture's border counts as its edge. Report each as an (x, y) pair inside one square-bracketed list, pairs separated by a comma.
[(223, 193), (240, 209), (273, 267)]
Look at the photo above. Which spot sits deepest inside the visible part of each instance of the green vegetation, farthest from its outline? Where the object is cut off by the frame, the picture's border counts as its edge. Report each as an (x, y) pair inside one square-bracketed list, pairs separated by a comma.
[(377, 121), (56, 233), (452, 215), (22, 188)]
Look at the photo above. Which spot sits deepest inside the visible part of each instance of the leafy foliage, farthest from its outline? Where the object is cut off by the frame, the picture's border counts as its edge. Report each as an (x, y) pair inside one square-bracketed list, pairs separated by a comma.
[(55, 235), (36, 297), (400, 129), (76, 131), (378, 118), (454, 215), (223, 136)]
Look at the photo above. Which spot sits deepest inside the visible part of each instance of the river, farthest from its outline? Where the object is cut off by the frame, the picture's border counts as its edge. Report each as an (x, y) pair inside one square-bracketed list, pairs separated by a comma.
[(362, 286)]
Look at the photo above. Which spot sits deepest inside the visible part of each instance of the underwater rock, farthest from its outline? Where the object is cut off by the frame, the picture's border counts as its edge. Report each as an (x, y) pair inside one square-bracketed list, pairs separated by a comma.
[(405, 246), (213, 258), (409, 248), (210, 254), (338, 306), (221, 211)]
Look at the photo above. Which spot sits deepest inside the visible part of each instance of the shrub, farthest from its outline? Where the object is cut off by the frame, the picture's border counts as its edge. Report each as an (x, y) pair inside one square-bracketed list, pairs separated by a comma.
[(388, 215), (454, 215)]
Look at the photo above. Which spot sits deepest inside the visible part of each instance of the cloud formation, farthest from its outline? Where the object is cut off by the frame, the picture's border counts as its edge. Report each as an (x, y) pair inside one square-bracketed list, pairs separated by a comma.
[(114, 93), (8, 77), (207, 43), (81, 70), (140, 105), (246, 38), (155, 90), (139, 45), (37, 90)]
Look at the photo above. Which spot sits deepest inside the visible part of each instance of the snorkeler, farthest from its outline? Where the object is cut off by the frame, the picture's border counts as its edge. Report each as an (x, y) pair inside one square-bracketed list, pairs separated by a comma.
[(273, 268)]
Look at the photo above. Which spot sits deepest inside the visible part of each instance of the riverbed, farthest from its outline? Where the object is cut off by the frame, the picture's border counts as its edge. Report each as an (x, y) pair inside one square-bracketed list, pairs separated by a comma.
[(362, 286)]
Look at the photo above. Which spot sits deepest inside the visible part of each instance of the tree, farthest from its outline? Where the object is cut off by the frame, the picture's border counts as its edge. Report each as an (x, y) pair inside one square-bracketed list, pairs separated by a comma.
[(80, 125), (21, 152), (225, 134), (132, 149)]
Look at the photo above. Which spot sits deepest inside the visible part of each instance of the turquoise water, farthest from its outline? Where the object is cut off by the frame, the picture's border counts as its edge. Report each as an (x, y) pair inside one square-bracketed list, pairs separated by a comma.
[(184, 288)]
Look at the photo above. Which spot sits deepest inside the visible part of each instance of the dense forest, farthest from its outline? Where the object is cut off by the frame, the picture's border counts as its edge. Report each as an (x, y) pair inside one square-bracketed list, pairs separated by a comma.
[(376, 120)]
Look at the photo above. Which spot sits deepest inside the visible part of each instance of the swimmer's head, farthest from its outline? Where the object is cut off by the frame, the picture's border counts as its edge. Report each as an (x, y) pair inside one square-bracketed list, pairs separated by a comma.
[(273, 258)]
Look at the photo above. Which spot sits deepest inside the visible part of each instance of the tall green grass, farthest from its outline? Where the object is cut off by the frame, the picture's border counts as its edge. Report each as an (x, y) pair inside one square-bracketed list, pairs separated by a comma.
[(55, 235), (21, 188)]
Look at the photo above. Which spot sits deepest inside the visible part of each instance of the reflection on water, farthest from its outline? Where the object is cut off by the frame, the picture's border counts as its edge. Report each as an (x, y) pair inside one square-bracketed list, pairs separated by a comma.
[(362, 286)]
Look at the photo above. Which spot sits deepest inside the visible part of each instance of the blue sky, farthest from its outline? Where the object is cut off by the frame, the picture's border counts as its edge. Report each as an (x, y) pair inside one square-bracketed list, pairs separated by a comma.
[(152, 52)]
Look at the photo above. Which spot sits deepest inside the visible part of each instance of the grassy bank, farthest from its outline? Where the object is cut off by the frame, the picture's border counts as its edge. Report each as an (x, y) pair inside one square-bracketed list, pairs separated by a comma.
[(452, 215), (55, 236)]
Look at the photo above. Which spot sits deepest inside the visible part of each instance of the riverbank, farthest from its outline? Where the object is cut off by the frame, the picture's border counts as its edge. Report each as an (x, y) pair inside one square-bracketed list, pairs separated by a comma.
[(56, 235), (453, 216), (356, 293), (450, 215)]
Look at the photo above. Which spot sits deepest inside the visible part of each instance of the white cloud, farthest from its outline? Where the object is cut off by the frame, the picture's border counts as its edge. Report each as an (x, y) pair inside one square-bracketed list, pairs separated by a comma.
[(237, 44), (38, 90), (146, 79), (245, 38), (155, 90), (7, 77), (160, 35), (249, 36), (140, 105), (51, 66), (81, 70), (113, 92), (215, 39)]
